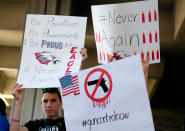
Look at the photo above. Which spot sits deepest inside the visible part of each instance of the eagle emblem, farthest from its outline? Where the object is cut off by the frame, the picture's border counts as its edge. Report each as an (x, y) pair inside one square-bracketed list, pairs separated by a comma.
[(47, 57)]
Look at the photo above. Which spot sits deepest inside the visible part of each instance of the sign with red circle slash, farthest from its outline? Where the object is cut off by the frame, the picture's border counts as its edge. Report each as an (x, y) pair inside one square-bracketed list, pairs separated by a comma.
[(98, 85)]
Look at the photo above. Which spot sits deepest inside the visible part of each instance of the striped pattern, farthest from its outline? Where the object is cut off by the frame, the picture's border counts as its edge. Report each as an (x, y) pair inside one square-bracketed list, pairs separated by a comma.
[(70, 85)]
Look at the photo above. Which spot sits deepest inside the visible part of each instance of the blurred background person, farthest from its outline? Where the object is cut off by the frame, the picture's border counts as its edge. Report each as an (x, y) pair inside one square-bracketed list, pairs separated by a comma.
[(4, 124)]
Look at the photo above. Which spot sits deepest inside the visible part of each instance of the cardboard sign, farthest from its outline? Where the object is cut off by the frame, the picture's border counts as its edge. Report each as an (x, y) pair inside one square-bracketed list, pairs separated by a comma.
[(51, 48), (103, 98), (126, 29)]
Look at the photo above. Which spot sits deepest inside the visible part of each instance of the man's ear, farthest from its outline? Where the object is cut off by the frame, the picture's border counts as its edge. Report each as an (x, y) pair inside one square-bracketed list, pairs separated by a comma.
[(61, 103)]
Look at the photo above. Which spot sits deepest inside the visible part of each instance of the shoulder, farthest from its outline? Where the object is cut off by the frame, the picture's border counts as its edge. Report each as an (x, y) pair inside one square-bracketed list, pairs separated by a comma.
[(3, 120), (4, 124)]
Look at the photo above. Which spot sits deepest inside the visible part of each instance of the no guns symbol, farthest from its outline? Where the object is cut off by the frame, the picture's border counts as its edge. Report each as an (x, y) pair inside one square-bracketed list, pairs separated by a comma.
[(95, 79), (102, 84)]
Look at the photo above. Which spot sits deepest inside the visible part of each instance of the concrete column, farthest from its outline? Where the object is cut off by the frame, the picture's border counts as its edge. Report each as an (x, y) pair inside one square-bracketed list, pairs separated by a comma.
[(179, 20)]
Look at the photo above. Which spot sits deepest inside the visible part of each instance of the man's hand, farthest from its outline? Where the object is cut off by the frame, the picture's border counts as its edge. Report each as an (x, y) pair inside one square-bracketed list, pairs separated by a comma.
[(145, 65), (83, 52), (17, 92)]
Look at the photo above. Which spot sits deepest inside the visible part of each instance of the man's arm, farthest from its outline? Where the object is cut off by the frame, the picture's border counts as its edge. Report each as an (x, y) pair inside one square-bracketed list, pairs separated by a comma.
[(17, 92)]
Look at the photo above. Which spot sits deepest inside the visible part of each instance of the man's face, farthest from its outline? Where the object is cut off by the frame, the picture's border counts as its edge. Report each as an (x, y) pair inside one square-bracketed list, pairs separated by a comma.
[(51, 104)]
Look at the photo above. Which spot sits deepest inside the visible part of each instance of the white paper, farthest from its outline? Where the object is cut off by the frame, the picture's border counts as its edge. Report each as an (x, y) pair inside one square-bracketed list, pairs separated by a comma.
[(127, 104), (47, 45), (119, 28)]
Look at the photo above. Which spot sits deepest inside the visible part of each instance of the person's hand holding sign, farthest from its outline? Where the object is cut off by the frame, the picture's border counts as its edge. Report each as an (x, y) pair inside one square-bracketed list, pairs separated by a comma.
[(145, 65), (83, 52), (17, 92)]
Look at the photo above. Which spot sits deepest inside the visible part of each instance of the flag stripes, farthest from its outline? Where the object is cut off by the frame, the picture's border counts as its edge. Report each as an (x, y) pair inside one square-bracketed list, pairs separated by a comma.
[(69, 85)]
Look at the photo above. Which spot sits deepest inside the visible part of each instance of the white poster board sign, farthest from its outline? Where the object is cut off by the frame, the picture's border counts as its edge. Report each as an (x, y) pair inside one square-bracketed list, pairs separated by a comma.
[(126, 29), (104, 99), (51, 48)]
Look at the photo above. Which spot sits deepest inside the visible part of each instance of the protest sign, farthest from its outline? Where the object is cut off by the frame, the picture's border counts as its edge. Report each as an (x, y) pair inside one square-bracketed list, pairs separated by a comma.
[(107, 97), (51, 48), (126, 29)]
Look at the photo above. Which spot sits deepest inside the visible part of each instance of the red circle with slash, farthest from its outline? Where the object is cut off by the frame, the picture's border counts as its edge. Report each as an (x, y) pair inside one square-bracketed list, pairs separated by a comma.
[(103, 72)]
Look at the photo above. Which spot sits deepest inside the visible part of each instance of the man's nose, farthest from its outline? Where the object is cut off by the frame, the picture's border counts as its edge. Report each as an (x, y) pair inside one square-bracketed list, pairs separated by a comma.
[(49, 103)]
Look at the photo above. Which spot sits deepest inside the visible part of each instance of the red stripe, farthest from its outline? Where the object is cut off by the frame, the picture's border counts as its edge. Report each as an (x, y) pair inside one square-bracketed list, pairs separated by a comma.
[(73, 77), (157, 54), (76, 93), (75, 80), (99, 37), (144, 39), (67, 73), (69, 87), (73, 89), (149, 16), (75, 83), (150, 37), (142, 55), (155, 15), (148, 54), (153, 55), (96, 87), (156, 36), (100, 56), (143, 17), (96, 38), (69, 93)]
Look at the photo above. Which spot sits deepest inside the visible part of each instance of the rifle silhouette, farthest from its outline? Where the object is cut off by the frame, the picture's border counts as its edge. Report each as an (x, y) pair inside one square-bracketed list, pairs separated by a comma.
[(102, 84)]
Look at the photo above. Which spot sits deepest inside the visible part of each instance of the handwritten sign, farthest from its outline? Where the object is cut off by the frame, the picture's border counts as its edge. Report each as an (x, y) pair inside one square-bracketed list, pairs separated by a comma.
[(104, 99), (127, 29), (51, 48)]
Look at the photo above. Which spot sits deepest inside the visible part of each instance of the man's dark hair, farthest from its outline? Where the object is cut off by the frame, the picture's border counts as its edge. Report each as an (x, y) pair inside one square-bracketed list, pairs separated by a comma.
[(2, 107), (51, 90)]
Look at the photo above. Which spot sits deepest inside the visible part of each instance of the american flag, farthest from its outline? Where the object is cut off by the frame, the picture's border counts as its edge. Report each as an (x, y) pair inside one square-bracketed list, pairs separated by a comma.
[(69, 85)]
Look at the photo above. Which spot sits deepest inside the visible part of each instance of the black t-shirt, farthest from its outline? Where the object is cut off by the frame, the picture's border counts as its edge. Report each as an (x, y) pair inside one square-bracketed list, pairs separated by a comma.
[(46, 125)]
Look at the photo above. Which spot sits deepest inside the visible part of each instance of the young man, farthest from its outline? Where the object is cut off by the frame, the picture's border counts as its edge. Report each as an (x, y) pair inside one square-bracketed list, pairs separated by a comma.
[(51, 103)]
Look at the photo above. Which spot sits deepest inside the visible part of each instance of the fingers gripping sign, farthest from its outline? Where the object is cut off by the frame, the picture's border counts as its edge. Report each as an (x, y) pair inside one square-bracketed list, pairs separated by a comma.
[(83, 52), (17, 92)]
